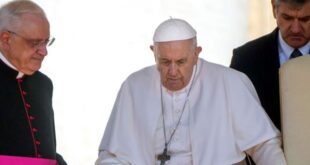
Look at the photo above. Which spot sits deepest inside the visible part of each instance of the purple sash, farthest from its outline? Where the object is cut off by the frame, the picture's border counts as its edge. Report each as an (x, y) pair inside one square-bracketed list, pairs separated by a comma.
[(18, 160)]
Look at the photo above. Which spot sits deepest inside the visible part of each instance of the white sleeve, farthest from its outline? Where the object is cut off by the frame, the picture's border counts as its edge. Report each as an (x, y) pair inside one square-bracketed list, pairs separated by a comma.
[(268, 153), (106, 158)]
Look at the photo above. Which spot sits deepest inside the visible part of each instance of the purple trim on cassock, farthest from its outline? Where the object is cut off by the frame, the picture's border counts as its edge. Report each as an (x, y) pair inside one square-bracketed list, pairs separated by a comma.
[(18, 160)]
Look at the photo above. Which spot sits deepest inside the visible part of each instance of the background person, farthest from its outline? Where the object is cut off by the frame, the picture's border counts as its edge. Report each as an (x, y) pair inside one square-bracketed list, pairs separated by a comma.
[(261, 58)]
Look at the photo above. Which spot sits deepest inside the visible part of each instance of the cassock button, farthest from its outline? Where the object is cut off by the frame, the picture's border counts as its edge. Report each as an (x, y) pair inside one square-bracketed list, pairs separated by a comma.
[(34, 130), (38, 142), (27, 106), (31, 118), (24, 93)]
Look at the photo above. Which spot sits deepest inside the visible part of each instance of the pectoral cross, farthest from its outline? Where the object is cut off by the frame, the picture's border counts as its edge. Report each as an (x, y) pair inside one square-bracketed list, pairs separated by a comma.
[(163, 157)]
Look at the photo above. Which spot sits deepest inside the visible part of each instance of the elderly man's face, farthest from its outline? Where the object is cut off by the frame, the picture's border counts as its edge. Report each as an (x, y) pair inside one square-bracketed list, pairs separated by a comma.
[(26, 43), (175, 61), (293, 22)]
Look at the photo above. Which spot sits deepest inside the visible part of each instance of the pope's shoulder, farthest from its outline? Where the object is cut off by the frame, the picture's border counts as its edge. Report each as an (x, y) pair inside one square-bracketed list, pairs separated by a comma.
[(218, 71)]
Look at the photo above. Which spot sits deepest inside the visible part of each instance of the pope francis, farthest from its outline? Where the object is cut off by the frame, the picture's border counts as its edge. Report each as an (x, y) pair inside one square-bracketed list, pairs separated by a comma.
[(187, 111)]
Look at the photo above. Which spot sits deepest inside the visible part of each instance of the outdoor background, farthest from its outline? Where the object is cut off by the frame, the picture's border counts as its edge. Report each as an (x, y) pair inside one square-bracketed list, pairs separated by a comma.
[(100, 42)]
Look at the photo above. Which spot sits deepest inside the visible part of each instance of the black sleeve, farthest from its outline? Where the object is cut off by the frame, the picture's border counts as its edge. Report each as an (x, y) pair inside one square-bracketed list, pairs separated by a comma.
[(60, 160)]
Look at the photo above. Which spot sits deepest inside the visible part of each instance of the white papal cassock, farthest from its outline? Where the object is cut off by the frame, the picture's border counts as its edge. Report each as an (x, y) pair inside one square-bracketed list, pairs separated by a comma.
[(225, 118)]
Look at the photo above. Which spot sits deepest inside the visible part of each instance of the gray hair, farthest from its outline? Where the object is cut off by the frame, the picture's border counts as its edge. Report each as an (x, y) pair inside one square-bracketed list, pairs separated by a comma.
[(292, 2), (194, 45), (10, 13)]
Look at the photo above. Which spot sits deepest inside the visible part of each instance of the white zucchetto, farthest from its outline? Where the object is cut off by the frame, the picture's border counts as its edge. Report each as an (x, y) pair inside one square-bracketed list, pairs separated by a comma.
[(174, 30)]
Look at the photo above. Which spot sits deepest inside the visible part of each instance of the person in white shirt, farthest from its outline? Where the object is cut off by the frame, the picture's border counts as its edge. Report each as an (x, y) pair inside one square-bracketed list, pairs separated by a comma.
[(187, 111)]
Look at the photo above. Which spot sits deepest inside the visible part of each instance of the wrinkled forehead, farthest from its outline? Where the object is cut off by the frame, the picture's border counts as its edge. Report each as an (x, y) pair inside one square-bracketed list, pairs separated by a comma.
[(293, 10), (174, 49)]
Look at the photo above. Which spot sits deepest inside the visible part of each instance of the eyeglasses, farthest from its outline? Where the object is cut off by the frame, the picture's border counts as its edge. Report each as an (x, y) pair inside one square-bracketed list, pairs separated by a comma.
[(35, 43)]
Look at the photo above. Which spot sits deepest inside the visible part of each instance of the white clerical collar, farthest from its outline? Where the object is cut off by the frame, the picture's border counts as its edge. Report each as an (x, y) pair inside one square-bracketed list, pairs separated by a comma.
[(287, 50), (186, 88), (20, 74)]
